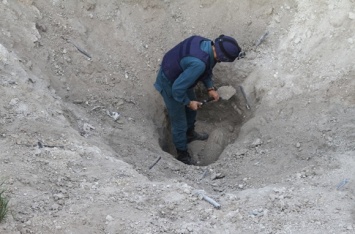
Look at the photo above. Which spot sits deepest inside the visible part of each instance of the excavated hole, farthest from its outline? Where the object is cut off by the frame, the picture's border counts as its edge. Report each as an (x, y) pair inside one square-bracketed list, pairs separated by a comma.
[(221, 120)]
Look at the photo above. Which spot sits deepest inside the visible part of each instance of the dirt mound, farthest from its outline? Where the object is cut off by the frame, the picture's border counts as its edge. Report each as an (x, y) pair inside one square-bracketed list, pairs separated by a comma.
[(81, 126)]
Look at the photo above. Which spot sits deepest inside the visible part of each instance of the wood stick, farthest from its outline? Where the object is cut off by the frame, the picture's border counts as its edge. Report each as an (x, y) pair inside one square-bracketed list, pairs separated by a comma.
[(156, 161)]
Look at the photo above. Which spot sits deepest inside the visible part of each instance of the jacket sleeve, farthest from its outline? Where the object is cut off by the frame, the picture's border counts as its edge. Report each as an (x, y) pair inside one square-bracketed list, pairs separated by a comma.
[(193, 68), (208, 82)]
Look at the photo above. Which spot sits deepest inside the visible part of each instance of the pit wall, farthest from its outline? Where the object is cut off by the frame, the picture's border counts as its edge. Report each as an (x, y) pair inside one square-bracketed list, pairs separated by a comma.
[(303, 80)]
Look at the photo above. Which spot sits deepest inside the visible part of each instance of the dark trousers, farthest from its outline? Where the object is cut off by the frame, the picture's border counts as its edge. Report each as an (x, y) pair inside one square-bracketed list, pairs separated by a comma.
[(181, 117)]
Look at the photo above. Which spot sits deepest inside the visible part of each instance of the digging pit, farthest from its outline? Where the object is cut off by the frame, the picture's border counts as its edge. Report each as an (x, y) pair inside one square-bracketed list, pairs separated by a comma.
[(222, 120)]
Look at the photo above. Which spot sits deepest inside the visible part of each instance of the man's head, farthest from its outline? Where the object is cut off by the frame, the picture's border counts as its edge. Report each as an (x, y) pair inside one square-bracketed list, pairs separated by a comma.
[(227, 49)]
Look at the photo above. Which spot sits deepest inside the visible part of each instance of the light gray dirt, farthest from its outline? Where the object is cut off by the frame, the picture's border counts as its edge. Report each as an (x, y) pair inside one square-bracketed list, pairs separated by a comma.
[(78, 135), (214, 147), (226, 92)]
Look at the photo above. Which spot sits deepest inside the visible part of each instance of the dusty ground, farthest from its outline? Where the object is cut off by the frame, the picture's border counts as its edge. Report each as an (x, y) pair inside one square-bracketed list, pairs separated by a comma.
[(69, 165)]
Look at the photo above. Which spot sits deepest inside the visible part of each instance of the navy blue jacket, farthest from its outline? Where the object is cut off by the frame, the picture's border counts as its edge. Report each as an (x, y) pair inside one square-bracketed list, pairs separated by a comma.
[(188, 63)]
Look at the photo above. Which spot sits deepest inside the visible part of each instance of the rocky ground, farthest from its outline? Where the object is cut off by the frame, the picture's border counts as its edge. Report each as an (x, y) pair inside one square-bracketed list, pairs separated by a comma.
[(81, 124)]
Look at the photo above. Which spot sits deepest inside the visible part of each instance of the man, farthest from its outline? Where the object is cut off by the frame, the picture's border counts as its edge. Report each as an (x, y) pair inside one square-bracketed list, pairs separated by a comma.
[(190, 62)]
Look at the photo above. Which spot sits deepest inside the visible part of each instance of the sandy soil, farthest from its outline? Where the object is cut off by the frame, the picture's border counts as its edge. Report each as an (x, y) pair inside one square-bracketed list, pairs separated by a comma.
[(81, 124)]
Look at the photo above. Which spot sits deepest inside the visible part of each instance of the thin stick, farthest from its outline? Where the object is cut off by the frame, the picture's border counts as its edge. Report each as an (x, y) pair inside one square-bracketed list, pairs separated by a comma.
[(156, 161), (78, 48), (81, 50), (201, 194), (245, 97), (262, 38), (343, 183), (204, 174), (211, 201)]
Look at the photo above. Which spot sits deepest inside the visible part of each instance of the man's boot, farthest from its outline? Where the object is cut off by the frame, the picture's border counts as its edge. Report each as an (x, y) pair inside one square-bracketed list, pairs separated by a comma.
[(193, 136), (184, 156)]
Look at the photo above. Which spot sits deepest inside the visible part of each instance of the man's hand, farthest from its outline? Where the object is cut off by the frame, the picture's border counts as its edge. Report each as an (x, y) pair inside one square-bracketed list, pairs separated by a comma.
[(194, 105), (213, 93)]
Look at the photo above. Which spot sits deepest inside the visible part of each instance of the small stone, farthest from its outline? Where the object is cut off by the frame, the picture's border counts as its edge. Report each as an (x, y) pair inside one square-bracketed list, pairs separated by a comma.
[(13, 101), (58, 196), (269, 11), (41, 27), (241, 152), (187, 191), (29, 65), (37, 152), (351, 15), (297, 40), (298, 145), (213, 176), (61, 202), (219, 176), (109, 218), (87, 127), (257, 142), (230, 128), (55, 207)]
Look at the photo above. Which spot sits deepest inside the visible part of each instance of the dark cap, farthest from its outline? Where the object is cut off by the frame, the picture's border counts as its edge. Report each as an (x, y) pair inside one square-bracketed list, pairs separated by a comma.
[(227, 48)]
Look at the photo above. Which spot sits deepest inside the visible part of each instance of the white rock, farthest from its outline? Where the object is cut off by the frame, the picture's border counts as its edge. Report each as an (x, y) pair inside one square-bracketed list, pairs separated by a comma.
[(257, 142), (109, 218), (187, 191), (351, 15), (14, 101), (226, 92)]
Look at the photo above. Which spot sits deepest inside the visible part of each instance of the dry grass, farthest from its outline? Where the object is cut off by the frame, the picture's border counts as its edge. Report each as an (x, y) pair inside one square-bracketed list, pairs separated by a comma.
[(3, 205)]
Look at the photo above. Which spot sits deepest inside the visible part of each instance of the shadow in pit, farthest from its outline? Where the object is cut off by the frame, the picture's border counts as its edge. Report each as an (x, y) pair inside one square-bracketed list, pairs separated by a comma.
[(165, 136)]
